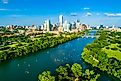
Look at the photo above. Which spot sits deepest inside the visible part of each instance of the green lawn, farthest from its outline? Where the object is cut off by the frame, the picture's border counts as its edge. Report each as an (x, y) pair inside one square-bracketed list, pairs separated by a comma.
[(113, 53)]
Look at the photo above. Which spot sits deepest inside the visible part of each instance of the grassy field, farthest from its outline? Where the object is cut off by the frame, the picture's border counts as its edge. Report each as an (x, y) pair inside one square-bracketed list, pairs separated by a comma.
[(113, 53)]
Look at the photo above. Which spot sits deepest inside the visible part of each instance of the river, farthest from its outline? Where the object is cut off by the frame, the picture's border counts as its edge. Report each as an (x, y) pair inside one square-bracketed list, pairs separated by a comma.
[(28, 67)]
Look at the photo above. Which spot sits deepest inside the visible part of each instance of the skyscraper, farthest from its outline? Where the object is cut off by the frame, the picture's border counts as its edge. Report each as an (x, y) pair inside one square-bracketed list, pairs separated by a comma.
[(66, 26), (113, 26), (47, 25), (77, 24), (107, 27), (61, 20)]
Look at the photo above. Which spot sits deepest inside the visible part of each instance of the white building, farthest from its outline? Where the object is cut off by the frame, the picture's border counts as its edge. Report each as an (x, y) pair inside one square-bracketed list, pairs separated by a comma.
[(73, 25), (77, 25), (107, 27), (34, 27), (88, 27), (42, 27), (47, 25), (98, 27), (113, 26), (7, 26), (61, 20), (66, 26), (27, 27)]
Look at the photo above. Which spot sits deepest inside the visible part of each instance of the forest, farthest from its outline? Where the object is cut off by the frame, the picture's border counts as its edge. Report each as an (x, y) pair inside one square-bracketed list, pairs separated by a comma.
[(69, 73), (105, 53), (16, 46)]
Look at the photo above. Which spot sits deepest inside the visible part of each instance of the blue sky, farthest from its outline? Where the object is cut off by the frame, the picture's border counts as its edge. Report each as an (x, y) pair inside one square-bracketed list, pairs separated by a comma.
[(92, 12)]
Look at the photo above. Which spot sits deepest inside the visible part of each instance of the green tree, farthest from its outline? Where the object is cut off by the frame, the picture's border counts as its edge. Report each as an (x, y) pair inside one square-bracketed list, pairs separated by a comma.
[(62, 71), (77, 70), (46, 76)]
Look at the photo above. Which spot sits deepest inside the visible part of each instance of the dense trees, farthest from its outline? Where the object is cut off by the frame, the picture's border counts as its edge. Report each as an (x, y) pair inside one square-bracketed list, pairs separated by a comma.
[(104, 53), (15, 46), (46, 76), (77, 70), (69, 73)]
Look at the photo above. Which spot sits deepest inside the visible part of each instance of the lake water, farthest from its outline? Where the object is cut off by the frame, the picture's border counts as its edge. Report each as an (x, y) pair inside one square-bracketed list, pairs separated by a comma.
[(28, 67)]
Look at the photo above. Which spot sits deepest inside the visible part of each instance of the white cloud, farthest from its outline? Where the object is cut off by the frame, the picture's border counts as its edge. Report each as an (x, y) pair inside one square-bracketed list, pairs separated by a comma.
[(5, 1), (14, 15), (86, 8), (73, 14), (88, 14), (113, 14), (4, 9)]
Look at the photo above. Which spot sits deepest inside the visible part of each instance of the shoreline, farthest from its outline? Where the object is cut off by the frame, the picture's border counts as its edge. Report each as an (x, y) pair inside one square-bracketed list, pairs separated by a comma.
[(41, 44)]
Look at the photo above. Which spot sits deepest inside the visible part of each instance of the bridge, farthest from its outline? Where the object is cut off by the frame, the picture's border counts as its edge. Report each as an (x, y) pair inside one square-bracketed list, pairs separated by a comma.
[(89, 36)]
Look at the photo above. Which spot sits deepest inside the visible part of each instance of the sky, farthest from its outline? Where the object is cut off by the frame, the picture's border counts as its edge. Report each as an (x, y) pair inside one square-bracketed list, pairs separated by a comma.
[(35, 12)]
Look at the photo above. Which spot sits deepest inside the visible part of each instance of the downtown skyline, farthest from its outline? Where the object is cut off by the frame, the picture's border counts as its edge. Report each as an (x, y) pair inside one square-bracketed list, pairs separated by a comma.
[(29, 12)]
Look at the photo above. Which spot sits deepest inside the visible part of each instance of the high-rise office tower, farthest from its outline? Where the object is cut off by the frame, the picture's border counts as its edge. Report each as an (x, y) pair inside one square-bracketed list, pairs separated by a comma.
[(98, 27), (73, 25), (42, 27), (107, 27), (66, 26), (48, 25), (45, 25), (61, 20), (77, 24), (113, 26)]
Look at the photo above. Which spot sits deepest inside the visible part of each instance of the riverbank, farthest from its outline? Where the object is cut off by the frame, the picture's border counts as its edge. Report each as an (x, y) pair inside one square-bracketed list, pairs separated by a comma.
[(27, 68), (104, 53), (26, 45)]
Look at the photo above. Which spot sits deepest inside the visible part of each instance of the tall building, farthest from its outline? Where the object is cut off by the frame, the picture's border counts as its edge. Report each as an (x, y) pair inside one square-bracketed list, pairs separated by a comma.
[(54, 27), (98, 27), (107, 27), (77, 24), (47, 25), (113, 26), (66, 26), (101, 26), (73, 25), (61, 20), (42, 27)]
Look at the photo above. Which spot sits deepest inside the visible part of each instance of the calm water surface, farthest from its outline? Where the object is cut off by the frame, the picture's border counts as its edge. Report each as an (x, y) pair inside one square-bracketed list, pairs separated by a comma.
[(28, 67)]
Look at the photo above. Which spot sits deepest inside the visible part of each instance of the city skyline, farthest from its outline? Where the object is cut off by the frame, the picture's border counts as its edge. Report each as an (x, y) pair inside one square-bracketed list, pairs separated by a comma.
[(28, 12)]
